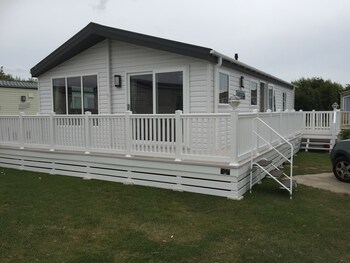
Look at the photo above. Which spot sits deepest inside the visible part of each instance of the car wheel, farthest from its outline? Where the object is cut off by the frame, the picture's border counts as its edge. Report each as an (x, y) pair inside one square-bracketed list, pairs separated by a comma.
[(341, 169)]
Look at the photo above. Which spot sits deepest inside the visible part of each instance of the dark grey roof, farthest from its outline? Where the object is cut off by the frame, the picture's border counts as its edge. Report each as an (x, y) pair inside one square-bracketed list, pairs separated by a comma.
[(18, 84), (94, 33)]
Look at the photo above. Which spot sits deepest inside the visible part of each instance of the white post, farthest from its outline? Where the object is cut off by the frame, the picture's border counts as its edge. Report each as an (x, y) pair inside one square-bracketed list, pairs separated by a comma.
[(178, 135), (303, 120), (128, 133), (233, 135), (271, 125), (21, 131), (280, 125), (87, 132), (313, 120), (52, 132), (334, 128)]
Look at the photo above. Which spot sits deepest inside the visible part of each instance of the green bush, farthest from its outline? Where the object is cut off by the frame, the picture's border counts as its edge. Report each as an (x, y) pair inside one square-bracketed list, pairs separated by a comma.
[(345, 134)]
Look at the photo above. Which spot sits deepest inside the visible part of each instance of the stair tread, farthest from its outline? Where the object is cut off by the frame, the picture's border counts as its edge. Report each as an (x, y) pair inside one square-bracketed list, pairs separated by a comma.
[(286, 182), (276, 173), (264, 162)]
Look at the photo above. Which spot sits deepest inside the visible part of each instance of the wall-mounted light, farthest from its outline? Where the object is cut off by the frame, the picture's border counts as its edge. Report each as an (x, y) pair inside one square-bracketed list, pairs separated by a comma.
[(118, 81), (241, 82), (234, 102), (23, 98)]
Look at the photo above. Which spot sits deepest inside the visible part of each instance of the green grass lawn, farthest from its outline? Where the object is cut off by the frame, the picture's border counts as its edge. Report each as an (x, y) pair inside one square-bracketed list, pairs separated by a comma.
[(46, 218), (312, 162)]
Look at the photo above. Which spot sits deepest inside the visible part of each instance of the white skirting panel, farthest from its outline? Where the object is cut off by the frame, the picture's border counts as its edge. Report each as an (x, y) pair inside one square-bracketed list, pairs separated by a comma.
[(180, 176)]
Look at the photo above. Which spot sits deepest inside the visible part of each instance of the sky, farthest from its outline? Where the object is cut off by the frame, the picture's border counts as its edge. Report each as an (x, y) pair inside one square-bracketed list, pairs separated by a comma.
[(289, 39)]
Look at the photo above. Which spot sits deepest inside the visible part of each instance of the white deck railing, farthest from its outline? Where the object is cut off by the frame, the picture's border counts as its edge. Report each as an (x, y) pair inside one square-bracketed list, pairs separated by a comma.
[(345, 119), (222, 137), (322, 122)]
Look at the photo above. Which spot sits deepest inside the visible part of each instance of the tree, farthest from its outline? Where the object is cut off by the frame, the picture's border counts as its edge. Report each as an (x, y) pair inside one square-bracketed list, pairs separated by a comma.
[(316, 94), (4, 76)]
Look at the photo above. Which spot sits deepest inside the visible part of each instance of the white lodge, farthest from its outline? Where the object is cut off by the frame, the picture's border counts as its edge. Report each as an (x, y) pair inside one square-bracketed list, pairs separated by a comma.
[(156, 76), (131, 108)]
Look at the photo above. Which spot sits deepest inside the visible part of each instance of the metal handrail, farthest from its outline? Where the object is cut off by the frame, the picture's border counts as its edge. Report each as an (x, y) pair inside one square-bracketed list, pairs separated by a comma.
[(254, 131)]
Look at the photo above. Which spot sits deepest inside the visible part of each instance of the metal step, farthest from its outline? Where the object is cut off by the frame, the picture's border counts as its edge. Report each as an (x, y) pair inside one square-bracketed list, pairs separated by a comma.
[(276, 173), (264, 162), (286, 182)]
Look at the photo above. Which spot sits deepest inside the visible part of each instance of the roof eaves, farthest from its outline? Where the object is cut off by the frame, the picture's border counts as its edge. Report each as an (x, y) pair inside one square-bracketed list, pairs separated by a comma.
[(76, 44), (94, 33), (235, 64)]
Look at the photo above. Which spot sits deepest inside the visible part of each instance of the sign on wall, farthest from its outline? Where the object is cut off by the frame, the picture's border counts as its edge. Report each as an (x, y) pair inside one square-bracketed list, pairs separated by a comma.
[(240, 94)]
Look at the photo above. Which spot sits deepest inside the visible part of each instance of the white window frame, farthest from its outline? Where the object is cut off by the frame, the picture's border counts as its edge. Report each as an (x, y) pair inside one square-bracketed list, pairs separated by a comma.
[(257, 93), (65, 77), (154, 71), (228, 89), (345, 97)]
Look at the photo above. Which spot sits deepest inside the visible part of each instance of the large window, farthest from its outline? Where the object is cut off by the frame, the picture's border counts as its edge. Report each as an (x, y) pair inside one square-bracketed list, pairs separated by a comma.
[(224, 81), (156, 92), (75, 95), (253, 93)]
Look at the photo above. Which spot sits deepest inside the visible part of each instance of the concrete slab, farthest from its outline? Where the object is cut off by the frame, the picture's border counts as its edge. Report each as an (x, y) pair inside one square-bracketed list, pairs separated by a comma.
[(325, 181)]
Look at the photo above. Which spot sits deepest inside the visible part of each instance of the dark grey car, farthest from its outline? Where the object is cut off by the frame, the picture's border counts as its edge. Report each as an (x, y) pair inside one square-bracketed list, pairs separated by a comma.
[(340, 156)]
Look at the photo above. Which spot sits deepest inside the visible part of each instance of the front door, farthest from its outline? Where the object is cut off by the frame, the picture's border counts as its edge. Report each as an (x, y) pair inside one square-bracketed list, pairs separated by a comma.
[(262, 97)]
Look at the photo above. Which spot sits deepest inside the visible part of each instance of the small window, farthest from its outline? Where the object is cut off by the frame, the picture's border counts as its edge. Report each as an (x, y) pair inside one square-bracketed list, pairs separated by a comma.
[(223, 88), (346, 103), (253, 93), (284, 101)]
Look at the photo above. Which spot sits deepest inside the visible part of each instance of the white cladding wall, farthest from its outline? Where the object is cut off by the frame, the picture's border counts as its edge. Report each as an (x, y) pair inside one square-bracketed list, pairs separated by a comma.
[(90, 62), (245, 105), (109, 58), (127, 59)]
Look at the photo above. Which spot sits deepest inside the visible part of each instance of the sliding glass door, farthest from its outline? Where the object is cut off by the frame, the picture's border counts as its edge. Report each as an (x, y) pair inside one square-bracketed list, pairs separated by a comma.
[(141, 94), (156, 92)]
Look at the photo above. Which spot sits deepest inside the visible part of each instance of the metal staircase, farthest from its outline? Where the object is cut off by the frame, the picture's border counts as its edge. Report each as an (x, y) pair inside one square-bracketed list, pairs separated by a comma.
[(283, 151)]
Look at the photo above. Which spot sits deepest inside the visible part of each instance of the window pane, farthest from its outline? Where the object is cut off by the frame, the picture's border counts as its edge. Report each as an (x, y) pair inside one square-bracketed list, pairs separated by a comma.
[(141, 95), (90, 94), (169, 88), (223, 88), (346, 103), (74, 95), (284, 106), (253, 93), (59, 96), (271, 99)]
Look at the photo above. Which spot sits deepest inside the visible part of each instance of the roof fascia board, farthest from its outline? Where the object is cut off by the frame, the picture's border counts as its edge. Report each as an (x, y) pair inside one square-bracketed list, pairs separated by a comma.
[(257, 74), (242, 67)]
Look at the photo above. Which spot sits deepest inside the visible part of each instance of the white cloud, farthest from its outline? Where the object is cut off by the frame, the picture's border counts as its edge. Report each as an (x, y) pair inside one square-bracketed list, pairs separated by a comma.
[(101, 5)]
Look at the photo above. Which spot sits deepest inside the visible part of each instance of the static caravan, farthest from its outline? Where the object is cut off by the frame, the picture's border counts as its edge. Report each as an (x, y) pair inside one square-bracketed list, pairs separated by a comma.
[(126, 107)]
